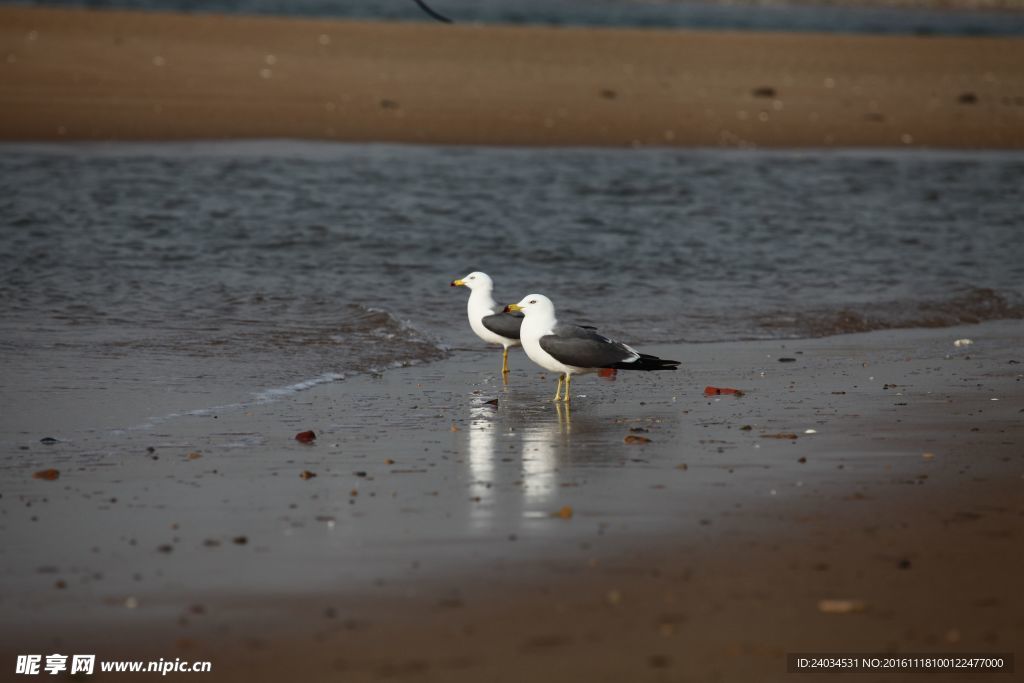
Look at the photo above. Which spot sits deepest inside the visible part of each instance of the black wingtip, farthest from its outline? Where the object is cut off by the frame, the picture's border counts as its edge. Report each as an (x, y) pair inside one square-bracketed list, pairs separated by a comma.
[(648, 363)]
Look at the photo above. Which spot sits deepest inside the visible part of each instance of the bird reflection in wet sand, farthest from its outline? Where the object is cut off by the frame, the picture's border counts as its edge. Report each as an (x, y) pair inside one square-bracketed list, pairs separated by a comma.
[(482, 459), (499, 489), (543, 448), (564, 411)]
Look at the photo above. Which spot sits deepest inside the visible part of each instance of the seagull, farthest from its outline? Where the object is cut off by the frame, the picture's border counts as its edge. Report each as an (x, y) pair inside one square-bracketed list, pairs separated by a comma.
[(574, 349), (490, 320)]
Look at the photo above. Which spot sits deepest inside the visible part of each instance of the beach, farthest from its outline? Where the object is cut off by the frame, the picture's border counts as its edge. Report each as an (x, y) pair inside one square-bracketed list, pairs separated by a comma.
[(114, 75), (862, 494), (244, 421)]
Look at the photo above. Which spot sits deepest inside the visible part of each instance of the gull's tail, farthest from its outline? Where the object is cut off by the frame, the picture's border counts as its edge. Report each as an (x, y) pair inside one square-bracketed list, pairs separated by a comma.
[(646, 362)]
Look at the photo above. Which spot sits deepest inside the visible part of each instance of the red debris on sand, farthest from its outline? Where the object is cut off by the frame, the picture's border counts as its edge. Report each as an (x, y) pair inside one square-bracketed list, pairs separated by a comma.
[(721, 391), (49, 475), (306, 437), (607, 373)]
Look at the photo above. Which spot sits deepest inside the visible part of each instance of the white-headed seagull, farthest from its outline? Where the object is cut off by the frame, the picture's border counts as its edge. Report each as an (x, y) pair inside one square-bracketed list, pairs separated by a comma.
[(572, 349), (489, 320)]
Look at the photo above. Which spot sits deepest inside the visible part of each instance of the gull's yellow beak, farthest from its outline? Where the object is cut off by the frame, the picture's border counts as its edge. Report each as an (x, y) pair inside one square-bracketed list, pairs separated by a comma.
[(512, 308), (458, 283)]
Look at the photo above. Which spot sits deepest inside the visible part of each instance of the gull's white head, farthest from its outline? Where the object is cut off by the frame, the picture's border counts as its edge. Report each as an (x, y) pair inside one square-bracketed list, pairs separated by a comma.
[(475, 280), (534, 304)]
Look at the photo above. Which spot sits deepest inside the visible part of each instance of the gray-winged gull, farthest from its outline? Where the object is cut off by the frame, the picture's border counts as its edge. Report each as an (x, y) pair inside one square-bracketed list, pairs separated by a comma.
[(488, 319), (572, 349)]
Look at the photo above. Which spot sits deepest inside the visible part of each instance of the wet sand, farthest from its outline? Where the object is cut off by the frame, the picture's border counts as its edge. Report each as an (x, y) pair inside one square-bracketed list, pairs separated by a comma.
[(447, 538), (104, 75)]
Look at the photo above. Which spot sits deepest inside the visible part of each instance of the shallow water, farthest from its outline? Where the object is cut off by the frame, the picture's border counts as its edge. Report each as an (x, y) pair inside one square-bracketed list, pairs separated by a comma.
[(267, 266), (841, 16)]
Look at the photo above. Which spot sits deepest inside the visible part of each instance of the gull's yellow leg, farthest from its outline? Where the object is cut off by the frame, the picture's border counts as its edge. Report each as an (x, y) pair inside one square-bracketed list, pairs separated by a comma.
[(504, 361), (568, 379), (558, 389)]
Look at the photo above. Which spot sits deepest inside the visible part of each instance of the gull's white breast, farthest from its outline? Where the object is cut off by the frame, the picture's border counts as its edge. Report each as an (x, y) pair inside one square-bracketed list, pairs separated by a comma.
[(530, 335)]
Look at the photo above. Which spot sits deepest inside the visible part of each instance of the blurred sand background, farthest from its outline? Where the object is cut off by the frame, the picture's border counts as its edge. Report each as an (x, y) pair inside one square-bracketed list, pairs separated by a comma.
[(111, 75)]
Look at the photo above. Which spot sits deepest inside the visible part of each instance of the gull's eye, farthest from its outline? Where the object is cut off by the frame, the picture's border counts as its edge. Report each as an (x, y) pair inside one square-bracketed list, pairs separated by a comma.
[(472, 277), (533, 301)]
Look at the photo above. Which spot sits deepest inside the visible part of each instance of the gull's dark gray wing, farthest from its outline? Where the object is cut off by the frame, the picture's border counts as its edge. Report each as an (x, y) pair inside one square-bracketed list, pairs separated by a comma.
[(582, 347), (505, 324)]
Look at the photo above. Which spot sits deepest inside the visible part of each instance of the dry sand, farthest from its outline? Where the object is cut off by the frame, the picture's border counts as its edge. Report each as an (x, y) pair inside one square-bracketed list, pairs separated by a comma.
[(428, 546), (104, 75)]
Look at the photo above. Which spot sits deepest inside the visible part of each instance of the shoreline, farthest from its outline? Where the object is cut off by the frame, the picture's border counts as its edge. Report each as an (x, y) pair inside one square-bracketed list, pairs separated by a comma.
[(455, 549), (113, 75)]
